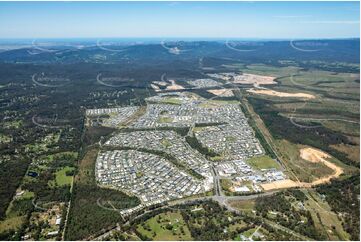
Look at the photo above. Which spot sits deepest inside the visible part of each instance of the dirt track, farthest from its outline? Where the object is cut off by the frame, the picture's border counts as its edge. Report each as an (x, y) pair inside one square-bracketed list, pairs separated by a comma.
[(314, 155), (311, 155)]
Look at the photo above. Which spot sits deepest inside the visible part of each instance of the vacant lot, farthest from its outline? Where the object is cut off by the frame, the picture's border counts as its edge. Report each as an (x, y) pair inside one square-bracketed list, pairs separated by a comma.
[(279, 185), (263, 162), (256, 80), (222, 92), (243, 205), (318, 156), (281, 94)]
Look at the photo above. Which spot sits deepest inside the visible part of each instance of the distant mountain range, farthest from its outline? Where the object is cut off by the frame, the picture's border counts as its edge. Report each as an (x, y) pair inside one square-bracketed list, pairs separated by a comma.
[(268, 52)]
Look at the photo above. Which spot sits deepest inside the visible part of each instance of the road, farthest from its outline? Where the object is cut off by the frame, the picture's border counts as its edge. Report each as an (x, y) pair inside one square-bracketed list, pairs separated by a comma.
[(216, 182)]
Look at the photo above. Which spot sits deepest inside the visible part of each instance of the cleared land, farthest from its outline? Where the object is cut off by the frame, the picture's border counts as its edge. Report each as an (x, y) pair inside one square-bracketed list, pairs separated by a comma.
[(256, 80), (304, 170), (312, 155), (263, 162), (62, 178), (281, 94), (165, 226), (222, 92), (318, 156), (243, 205), (174, 86), (279, 185)]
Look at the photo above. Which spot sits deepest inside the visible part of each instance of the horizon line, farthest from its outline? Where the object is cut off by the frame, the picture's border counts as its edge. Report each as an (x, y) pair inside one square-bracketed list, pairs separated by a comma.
[(180, 38)]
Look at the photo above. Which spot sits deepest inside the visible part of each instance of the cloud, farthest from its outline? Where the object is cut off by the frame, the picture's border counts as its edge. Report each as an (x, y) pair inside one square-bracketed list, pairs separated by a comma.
[(331, 22), (171, 4), (292, 16)]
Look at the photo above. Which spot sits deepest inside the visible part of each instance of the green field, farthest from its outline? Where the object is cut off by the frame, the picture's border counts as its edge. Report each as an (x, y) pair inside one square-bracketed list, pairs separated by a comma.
[(61, 179), (263, 162), (166, 143), (27, 195), (165, 226), (165, 119), (243, 205), (198, 129)]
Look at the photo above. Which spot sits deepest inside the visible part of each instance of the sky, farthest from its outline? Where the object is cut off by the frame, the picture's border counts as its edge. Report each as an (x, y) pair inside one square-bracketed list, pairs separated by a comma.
[(264, 20)]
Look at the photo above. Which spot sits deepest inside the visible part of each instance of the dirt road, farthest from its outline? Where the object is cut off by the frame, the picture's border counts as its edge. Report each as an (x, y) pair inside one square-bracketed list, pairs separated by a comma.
[(312, 155)]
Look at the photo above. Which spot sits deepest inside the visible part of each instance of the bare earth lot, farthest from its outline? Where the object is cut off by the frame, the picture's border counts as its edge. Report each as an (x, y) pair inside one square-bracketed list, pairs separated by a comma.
[(256, 80), (222, 92), (311, 155), (281, 94), (315, 155)]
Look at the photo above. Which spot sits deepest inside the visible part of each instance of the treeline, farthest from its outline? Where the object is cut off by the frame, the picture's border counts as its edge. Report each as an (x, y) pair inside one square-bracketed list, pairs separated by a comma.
[(92, 135), (195, 144), (11, 174), (182, 131), (258, 133), (343, 197), (86, 217)]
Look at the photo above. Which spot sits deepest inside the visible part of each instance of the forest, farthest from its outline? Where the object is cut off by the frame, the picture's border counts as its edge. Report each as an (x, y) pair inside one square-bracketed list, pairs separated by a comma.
[(343, 197)]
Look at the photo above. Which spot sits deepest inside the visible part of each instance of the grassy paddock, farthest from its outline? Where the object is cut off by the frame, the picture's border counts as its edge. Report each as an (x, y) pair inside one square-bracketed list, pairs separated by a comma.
[(165, 226), (61, 178), (263, 162), (243, 205)]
